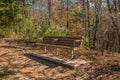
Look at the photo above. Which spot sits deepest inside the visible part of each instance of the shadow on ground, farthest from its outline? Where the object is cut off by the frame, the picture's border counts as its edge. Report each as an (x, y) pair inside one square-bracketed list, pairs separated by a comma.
[(44, 62), (9, 47), (17, 41)]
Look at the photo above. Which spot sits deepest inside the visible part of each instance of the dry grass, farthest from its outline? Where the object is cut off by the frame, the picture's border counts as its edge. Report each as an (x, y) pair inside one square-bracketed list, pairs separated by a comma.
[(100, 67), (5, 74)]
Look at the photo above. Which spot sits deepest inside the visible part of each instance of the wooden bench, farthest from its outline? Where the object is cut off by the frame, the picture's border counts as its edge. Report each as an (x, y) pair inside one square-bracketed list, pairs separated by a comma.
[(68, 42)]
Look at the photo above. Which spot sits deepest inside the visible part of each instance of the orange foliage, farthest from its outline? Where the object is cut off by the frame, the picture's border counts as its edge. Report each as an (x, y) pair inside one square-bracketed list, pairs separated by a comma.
[(50, 0), (63, 14)]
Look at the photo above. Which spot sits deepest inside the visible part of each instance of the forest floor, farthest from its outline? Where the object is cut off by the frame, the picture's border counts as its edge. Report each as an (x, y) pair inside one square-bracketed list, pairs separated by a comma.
[(16, 64)]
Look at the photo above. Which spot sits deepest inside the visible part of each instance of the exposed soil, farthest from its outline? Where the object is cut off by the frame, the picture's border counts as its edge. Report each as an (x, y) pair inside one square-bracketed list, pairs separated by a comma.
[(14, 55)]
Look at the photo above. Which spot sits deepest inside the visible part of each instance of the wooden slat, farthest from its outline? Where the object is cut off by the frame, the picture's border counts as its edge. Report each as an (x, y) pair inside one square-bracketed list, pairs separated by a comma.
[(64, 44), (62, 40), (68, 41), (63, 36), (58, 46)]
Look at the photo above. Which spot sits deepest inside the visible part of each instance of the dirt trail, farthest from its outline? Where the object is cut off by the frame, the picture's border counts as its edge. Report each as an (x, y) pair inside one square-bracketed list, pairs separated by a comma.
[(14, 54), (25, 68)]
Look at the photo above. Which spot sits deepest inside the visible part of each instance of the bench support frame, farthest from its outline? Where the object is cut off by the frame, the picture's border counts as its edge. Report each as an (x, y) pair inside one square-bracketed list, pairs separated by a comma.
[(67, 42), (45, 48), (57, 51), (72, 54)]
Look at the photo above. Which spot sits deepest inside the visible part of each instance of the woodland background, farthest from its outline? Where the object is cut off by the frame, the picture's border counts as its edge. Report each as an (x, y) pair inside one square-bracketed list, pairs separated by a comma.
[(98, 21)]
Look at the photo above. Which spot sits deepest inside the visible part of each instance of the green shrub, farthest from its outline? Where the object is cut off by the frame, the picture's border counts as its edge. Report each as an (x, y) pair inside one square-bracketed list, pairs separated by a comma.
[(56, 30), (6, 32), (86, 42), (53, 30)]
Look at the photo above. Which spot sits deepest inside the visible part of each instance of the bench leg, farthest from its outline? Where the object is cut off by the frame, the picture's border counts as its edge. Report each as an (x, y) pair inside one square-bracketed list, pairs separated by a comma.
[(72, 53), (57, 52), (45, 49)]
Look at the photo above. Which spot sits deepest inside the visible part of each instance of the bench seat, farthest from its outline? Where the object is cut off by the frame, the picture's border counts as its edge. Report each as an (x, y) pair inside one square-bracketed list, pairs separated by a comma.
[(67, 42), (57, 46)]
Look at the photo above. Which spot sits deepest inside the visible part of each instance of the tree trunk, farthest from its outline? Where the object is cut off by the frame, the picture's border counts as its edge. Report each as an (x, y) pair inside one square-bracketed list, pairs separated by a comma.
[(88, 21), (49, 13), (97, 18), (67, 25), (112, 8)]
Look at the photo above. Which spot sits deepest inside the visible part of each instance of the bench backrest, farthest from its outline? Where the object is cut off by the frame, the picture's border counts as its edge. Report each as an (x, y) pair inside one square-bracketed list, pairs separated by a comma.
[(71, 41)]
